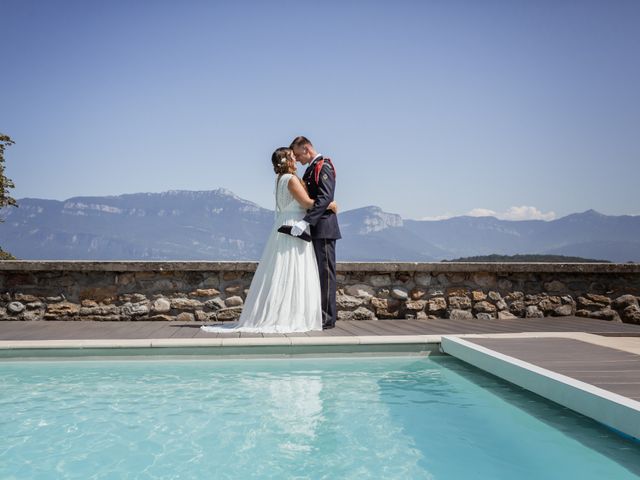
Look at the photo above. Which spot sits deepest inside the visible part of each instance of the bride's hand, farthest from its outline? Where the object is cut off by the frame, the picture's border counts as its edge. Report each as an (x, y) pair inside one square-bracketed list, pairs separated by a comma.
[(333, 206)]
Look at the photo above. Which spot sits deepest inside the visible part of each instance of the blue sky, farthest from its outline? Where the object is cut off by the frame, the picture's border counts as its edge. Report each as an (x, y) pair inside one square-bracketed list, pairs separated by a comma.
[(522, 109)]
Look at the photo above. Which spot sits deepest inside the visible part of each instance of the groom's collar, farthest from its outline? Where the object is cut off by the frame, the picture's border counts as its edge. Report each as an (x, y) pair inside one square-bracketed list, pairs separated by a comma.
[(315, 159)]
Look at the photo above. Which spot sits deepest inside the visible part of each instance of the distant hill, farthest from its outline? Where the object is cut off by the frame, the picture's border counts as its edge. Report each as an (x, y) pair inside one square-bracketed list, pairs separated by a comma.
[(218, 225), (527, 258)]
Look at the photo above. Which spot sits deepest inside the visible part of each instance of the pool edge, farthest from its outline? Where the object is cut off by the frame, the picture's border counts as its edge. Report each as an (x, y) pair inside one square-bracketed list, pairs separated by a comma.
[(614, 410), (220, 347)]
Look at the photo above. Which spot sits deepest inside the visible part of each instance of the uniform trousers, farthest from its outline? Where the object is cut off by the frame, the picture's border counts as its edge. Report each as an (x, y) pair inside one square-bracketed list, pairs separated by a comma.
[(325, 249)]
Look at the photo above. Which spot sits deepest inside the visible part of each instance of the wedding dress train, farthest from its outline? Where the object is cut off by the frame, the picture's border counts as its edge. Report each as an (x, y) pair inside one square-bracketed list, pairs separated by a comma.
[(284, 295)]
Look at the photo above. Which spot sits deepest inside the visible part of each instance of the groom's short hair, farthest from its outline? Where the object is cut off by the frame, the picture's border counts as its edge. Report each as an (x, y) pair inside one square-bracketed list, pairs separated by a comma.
[(300, 142)]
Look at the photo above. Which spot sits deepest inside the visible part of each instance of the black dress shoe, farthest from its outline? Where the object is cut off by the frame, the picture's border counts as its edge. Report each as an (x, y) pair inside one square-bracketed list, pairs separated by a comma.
[(327, 326)]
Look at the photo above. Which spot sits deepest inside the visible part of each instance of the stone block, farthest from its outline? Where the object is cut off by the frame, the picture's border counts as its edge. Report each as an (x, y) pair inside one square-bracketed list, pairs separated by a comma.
[(99, 294), (514, 296), (631, 314), (233, 301), (185, 317), (532, 311), (484, 279), (185, 303), (386, 308), (228, 276), (235, 289), (548, 304), (231, 313), (494, 296), (399, 293), (484, 307), (624, 301), (134, 309), (423, 279), (604, 300), (438, 304), (210, 281), (456, 277), (24, 298), (30, 315), (584, 303), (478, 295), (15, 307), (347, 302), (606, 313), (457, 291), (518, 308), (363, 313), (205, 292), (563, 310), (161, 305), (99, 310), (459, 303), (360, 290), (380, 280), (215, 304), (457, 314), (417, 293), (415, 305), (63, 308), (555, 286)]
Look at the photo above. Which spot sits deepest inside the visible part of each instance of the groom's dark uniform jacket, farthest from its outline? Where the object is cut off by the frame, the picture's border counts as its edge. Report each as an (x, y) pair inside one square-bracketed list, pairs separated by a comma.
[(320, 179)]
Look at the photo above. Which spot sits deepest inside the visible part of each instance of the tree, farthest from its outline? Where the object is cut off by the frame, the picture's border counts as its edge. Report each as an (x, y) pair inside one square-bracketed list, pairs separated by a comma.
[(5, 185)]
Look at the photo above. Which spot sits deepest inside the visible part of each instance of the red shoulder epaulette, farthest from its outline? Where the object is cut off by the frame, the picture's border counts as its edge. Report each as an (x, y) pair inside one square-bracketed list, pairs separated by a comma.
[(319, 167)]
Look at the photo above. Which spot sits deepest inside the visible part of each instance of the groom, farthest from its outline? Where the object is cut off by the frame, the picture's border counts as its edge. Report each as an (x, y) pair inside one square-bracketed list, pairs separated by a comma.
[(320, 179)]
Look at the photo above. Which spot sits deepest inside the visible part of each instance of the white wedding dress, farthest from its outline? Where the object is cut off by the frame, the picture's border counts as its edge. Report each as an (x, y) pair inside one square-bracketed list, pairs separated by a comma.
[(284, 295)]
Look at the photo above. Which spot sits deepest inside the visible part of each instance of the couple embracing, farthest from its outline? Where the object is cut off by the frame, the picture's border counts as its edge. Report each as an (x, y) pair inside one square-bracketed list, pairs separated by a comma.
[(294, 286)]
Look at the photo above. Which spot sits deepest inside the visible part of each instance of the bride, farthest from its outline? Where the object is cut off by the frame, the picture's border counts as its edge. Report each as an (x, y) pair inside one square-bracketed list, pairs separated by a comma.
[(284, 295)]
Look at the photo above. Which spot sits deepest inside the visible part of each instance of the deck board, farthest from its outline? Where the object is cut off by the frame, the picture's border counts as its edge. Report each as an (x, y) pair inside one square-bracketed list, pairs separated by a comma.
[(608, 368)]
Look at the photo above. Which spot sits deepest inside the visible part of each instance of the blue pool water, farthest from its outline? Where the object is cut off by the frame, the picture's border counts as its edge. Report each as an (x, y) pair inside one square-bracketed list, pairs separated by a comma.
[(351, 418)]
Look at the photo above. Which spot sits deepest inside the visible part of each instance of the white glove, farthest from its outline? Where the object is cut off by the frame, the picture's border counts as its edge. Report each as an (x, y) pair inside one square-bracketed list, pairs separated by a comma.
[(298, 228)]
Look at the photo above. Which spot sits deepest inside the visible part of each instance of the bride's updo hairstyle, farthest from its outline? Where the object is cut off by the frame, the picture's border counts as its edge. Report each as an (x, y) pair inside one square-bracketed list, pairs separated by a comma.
[(283, 161)]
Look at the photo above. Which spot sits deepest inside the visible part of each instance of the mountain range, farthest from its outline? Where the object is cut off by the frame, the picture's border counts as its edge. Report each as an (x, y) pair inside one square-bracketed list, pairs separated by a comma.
[(219, 225)]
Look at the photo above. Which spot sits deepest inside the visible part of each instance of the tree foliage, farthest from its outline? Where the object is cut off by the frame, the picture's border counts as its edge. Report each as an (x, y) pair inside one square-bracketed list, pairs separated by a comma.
[(6, 184)]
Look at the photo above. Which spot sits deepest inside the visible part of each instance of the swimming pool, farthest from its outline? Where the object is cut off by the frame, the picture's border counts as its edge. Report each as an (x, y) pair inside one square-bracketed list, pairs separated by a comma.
[(350, 417)]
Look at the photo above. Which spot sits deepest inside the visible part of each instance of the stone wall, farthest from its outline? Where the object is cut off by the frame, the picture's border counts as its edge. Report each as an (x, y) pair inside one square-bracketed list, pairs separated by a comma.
[(210, 291)]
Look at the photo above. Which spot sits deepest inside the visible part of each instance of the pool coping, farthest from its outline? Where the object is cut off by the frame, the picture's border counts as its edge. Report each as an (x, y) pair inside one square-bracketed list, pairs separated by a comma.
[(220, 342), (614, 410), (612, 342)]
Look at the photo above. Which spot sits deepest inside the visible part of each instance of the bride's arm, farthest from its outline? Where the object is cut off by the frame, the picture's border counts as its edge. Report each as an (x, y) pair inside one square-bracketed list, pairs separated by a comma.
[(298, 192), (301, 196)]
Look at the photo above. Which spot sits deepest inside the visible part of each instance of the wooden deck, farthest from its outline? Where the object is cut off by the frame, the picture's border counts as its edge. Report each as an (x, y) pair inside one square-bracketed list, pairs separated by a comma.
[(85, 330), (607, 368)]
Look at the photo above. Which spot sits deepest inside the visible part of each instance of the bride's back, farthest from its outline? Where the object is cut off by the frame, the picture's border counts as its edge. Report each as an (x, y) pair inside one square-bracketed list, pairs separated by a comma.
[(285, 203)]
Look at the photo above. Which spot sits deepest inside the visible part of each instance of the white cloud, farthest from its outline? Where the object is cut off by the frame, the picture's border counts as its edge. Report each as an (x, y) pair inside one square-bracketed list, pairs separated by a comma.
[(482, 212), (526, 213), (523, 212), (438, 217)]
